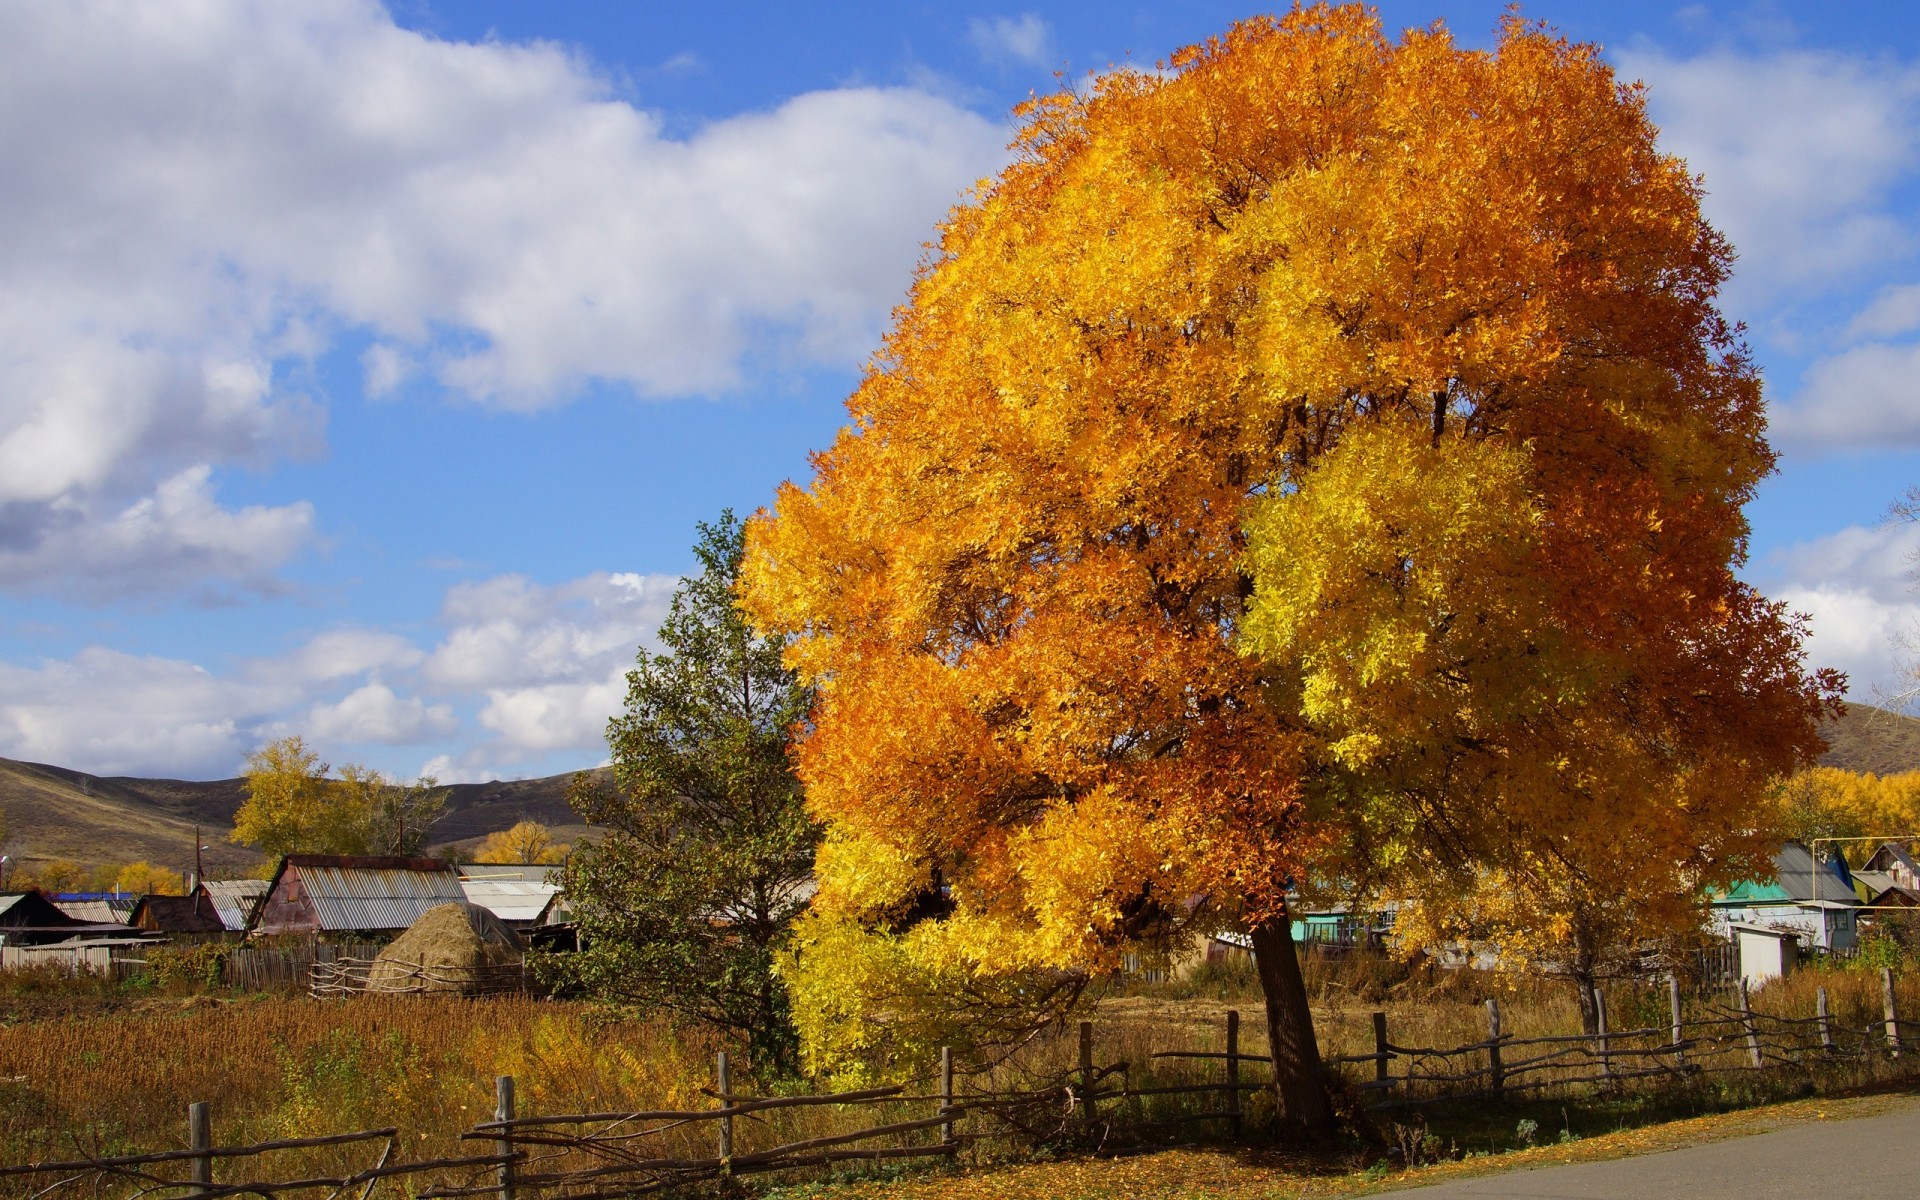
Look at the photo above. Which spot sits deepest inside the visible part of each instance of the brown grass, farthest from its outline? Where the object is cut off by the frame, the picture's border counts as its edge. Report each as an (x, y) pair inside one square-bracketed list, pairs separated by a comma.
[(88, 1069)]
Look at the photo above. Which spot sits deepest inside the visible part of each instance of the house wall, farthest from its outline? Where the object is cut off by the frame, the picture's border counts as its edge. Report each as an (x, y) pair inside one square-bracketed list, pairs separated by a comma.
[(286, 908)]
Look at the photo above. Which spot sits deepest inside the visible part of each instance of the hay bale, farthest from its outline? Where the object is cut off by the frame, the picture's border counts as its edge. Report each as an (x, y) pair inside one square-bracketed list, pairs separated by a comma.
[(454, 947)]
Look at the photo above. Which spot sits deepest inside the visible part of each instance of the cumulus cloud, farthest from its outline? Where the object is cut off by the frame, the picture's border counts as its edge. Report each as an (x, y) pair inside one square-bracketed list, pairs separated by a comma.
[(551, 661), (1801, 152), (373, 713), (198, 195), (1021, 39), (1867, 396), (113, 713), (1857, 588), (178, 539), (520, 670)]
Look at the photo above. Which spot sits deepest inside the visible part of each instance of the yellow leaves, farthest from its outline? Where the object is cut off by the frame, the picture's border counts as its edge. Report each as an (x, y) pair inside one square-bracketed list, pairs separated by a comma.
[(1419, 343)]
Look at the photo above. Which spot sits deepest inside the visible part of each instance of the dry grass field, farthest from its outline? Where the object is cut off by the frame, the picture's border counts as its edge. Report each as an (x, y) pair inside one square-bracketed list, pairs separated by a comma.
[(91, 1069)]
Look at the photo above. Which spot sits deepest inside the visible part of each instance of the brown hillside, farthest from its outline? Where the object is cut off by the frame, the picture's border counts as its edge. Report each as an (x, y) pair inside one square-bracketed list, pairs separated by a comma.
[(1873, 739), (57, 812), (53, 812)]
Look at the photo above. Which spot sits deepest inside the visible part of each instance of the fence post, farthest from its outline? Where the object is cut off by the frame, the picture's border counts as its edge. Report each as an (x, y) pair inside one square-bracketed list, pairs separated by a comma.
[(1673, 1006), (200, 1137), (1893, 1013), (1606, 1042), (1086, 1070), (1826, 1021), (1746, 1021), (503, 1145), (1233, 1067), (946, 1095), (1496, 1073), (723, 1081), (1380, 1051)]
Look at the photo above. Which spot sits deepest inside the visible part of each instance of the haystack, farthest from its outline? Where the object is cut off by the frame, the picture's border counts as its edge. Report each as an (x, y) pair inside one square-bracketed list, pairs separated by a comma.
[(455, 947)]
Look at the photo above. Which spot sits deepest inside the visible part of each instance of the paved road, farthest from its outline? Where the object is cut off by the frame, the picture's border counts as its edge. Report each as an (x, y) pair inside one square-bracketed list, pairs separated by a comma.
[(1873, 1158)]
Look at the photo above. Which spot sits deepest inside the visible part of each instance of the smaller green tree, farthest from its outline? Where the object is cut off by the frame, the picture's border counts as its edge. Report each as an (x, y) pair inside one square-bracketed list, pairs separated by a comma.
[(708, 854), (397, 817)]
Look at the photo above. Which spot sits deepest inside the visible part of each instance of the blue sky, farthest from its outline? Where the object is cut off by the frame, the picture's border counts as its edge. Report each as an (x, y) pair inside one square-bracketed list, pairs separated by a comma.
[(366, 368)]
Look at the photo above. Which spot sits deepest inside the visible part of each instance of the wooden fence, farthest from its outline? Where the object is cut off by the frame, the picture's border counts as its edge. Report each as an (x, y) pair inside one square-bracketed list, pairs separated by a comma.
[(591, 1156)]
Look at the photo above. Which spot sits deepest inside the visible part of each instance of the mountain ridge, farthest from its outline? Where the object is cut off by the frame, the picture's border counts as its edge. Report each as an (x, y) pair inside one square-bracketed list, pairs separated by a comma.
[(60, 812)]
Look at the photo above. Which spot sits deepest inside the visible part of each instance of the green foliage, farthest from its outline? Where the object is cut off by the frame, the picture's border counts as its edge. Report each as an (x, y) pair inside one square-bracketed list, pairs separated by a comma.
[(195, 967), (709, 848)]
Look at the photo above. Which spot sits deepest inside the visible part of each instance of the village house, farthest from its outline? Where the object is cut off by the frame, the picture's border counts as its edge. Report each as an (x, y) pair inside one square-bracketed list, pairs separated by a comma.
[(332, 896), (181, 918), (1812, 899)]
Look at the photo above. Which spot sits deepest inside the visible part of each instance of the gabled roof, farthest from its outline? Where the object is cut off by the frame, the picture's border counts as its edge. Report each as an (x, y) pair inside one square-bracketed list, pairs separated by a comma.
[(109, 910), (1891, 855), (234, 899), (177, 914), (30, 913), (1798, 880), (336, 893)]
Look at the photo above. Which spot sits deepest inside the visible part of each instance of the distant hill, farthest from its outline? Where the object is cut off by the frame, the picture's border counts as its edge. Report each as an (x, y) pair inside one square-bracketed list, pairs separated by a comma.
[(57, 812), (1873, 740)]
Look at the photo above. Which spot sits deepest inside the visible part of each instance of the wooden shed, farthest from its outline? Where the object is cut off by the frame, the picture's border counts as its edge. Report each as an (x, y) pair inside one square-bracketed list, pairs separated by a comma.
[(330, 895), (186, 918)]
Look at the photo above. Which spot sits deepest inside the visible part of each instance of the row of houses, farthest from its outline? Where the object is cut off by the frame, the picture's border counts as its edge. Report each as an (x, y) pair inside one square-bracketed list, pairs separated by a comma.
[(314, 895)]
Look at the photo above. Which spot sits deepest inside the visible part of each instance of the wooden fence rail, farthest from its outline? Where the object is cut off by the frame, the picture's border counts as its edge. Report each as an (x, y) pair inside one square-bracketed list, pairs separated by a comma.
[(586, 1156)]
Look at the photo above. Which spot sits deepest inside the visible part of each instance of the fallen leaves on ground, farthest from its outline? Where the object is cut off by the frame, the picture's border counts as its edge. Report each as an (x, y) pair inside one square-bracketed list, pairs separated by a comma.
[(1218, 1173)]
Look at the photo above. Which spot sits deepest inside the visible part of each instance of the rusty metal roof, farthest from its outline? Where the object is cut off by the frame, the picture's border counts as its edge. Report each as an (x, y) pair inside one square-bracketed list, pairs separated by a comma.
[(374, 897)]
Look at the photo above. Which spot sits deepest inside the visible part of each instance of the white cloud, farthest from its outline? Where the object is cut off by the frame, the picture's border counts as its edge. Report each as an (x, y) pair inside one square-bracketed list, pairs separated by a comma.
[(508, 632), (341, 654), (1022, 39), (373, 713), (552, 661), (1801, 152), (178, 539), (1856, 587), (522, 670), (1896, 310), (1868, 396), (197, 193), (555, 716), (113, 713)]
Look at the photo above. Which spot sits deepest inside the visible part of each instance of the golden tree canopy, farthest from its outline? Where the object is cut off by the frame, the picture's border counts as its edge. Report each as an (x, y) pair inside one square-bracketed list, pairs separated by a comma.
[(1322, 457)]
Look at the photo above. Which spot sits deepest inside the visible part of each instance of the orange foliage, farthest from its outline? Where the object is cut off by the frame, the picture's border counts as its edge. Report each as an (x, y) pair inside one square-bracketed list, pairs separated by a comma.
[(1157, 370)]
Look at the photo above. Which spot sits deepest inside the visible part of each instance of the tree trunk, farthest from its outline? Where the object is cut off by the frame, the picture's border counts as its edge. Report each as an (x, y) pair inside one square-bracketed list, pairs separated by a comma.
[(1583, 984), (1299, 1080)]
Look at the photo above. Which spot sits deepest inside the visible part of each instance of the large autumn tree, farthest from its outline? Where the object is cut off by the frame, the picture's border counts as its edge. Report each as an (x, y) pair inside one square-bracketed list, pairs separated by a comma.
[(1322, 460)]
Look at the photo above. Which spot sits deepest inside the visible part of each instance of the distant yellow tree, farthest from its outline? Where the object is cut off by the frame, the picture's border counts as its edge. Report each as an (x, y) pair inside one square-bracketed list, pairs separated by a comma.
[(145, 879), (292, 808), (55, 875), (1827, 802), (526, 842)]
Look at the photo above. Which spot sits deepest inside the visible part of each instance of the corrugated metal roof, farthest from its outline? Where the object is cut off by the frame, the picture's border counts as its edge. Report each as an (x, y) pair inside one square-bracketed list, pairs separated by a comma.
[(233, 899), (98, 910), (520, 900), (374, 897)]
